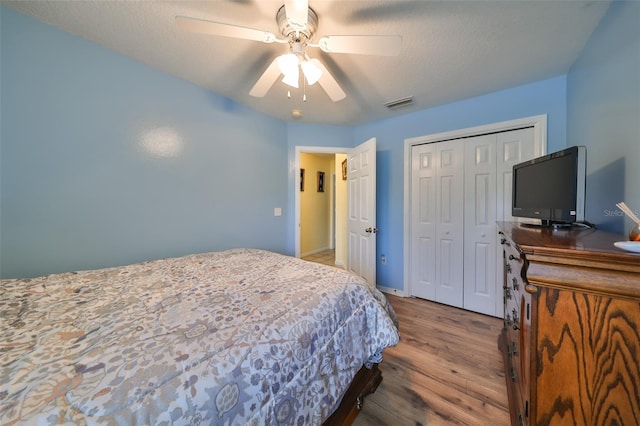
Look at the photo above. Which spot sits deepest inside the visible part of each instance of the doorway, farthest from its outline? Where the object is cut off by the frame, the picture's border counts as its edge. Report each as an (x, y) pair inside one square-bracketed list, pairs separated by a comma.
[(321, 212), (360, 179)]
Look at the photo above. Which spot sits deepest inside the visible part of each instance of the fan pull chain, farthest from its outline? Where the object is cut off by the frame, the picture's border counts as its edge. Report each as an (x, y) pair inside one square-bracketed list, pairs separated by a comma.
[(304, 89)]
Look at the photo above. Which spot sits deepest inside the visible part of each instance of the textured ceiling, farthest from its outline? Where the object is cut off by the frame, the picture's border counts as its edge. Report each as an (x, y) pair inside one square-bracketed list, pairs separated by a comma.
[(452, 50)]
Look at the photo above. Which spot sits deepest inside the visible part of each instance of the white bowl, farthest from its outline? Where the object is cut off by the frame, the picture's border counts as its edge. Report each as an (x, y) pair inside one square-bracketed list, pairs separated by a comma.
[(633, 246)]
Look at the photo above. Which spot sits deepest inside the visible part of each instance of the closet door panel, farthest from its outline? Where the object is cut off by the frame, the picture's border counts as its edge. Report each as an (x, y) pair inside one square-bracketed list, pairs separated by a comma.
[(480, 284), (423, 222), (425, 271), (449, 222), (512, 147)]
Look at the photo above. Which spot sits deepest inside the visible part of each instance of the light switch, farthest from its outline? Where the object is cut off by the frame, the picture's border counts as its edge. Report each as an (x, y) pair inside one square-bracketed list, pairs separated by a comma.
[(277, 211)]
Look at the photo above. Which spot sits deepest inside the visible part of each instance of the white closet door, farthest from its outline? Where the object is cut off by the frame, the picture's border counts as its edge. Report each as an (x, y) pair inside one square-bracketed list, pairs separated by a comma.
[(459, 189), (512, 148), (423, 221), (437, 222), (480, 284)]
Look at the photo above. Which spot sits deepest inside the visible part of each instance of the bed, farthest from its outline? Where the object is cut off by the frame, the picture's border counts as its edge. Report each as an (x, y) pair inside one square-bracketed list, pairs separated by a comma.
[(235, 337)]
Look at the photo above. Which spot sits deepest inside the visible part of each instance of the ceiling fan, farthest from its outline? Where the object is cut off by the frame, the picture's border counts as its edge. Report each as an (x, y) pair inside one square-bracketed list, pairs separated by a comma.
[(298, 23)]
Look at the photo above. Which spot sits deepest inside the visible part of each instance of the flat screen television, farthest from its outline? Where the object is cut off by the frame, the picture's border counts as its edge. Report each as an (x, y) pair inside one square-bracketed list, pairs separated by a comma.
[(551, 188)]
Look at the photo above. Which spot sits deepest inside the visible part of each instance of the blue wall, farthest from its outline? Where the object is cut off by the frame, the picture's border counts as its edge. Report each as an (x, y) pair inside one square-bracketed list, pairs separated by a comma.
[(603, 92), (106, 161)]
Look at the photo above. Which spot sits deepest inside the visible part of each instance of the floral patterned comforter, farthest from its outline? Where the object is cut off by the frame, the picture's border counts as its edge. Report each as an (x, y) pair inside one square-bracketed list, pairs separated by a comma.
[(236, 337)]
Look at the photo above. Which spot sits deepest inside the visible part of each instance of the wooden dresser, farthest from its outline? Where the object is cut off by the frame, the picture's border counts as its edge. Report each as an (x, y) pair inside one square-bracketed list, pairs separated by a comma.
[(571, 336)]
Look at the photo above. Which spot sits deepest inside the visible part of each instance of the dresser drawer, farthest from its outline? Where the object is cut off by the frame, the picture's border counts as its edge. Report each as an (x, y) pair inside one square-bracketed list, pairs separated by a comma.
[(516, 382), (514, 264), (513, 284), (515, 333)]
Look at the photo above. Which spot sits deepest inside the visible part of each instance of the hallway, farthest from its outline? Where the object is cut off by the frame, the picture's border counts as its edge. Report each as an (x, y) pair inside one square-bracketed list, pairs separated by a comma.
[(327, 257)]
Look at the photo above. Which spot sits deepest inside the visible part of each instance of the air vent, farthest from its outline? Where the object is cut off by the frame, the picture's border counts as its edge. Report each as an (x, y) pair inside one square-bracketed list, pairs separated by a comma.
[(398, 103)]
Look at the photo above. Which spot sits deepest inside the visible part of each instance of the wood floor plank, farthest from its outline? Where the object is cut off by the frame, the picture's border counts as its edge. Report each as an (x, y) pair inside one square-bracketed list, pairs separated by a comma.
[(446, 370)]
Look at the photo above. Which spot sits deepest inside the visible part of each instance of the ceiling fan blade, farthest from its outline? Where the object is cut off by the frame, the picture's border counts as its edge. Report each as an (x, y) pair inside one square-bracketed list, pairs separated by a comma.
[(266, 80), (330, 85), (297, 13), (383, 45), (201, 26)]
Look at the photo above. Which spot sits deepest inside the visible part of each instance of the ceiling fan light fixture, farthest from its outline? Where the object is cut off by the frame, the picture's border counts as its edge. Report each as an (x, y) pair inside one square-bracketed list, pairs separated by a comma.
[(288, 63), (311, 71), (292, 78)]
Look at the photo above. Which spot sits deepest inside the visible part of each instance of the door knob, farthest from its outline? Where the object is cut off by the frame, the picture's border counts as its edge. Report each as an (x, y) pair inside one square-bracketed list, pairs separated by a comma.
[(370, 230)]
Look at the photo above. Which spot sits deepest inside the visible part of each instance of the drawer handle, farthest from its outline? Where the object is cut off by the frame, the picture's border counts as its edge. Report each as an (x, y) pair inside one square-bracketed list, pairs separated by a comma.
[(507, 292)]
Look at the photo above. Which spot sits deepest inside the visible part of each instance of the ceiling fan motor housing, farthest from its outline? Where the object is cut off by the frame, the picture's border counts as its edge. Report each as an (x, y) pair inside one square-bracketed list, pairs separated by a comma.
[(287, 30)]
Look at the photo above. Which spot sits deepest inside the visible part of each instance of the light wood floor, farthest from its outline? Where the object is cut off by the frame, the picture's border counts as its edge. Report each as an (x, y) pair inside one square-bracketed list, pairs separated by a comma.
[(327, 257), (446, 370)]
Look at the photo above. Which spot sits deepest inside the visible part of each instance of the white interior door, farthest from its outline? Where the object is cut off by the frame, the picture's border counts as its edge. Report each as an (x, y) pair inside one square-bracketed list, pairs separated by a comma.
[(459, 189), (487, 199), (480, 266), (361, 226), (512, 148), (449, 225), (437, 222), (423, 221)]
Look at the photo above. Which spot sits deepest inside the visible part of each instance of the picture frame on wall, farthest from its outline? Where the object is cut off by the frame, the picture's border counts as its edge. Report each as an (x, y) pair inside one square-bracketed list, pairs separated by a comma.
[(320, 181), (301, 180), (344, 169)]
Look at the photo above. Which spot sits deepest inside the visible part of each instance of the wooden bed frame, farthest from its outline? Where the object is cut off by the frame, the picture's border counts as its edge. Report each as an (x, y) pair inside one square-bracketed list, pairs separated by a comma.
[(365, 382)]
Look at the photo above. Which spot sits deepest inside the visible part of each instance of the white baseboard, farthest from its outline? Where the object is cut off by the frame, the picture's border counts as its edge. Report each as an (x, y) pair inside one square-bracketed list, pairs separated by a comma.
[(393, 291)]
